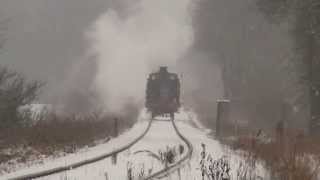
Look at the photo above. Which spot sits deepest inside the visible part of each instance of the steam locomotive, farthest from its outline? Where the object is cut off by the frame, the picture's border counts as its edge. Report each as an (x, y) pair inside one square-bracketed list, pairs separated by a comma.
[(163, 93)]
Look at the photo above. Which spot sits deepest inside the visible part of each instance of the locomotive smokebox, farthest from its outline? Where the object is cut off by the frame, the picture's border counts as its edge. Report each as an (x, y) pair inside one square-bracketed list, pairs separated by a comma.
[(163, 93)]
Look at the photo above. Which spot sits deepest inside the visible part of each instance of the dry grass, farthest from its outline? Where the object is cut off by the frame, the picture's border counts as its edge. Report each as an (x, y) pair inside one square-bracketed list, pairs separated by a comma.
[(292, 157), (57, 134)]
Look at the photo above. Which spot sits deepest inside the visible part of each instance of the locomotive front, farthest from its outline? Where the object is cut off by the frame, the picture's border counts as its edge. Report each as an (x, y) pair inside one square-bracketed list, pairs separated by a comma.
[(163, 93)]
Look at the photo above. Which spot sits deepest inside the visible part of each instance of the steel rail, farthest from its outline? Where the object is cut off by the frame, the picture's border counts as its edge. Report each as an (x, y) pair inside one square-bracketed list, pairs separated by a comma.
[(172, 168), (81, 163)]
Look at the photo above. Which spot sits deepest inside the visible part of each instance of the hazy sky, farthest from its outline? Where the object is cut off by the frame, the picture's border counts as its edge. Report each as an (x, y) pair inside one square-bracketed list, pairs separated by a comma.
[(47, 41), (46, 36)]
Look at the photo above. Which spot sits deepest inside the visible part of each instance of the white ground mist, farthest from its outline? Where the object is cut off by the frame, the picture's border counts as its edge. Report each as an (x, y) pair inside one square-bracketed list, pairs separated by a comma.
[(153, 33)]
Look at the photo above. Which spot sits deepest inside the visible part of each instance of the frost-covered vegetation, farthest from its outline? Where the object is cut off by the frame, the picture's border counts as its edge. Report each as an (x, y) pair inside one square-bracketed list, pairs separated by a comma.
[(15, 91), (26, 138), (288, 156)]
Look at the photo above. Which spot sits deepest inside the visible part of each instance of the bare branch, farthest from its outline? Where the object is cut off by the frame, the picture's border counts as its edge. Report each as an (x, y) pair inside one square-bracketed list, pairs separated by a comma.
[(15, 91)]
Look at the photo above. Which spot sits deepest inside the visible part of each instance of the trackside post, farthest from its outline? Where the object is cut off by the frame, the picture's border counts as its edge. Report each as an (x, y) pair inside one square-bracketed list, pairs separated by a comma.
[(222, 116)]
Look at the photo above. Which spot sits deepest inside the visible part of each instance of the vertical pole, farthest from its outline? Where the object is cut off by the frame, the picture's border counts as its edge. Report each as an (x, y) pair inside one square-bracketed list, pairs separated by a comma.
[(236, 128), (106, 175), (286, 125), (281, 128), (218, 120), (116, 127), (314, 124), (285, 115), (311, 106), (222, 116), (114, 159), (114, 156), (280, 134), (179, 174)]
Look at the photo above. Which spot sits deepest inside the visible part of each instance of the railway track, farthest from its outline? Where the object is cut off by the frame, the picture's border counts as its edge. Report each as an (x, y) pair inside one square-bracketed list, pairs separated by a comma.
[(157, 175), (81, 163), (182, 162)]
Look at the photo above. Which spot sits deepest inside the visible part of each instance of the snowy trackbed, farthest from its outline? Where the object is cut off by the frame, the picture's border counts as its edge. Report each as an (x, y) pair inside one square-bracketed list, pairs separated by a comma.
[(165, 172), (81, 163), (157, 175)]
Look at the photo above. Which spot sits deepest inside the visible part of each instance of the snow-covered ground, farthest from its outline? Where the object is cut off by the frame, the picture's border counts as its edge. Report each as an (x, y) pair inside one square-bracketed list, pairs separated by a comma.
[(197, 135), (160, 137), (111, 145)]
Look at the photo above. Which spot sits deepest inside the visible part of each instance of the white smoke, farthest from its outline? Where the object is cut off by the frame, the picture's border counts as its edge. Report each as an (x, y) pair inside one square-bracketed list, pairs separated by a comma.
[(153, 33)]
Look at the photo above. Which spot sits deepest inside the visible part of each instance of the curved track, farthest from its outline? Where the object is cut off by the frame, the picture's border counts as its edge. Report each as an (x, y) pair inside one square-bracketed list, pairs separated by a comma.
[(81, 163), (164, 172), (157, 175)]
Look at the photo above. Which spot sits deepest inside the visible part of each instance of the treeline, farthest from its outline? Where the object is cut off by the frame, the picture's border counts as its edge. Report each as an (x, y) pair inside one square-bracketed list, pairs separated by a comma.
[(267, 51), (304, 16)]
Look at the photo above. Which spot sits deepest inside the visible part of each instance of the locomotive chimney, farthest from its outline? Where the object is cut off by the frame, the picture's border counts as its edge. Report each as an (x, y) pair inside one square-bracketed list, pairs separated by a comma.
[(163, 69)]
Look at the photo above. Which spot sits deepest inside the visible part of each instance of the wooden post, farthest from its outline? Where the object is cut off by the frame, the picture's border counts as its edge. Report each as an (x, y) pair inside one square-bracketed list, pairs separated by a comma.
[(114, 156), (286, 109), (179, 174), (116, 127), (106, 175), (218, 120), (222, 116), (114, 159)]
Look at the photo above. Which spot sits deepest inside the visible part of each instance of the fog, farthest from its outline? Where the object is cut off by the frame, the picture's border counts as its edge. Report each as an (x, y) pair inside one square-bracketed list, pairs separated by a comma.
[(153, 33), (98, 53), (94, 53), (45, 41), (254, 57)]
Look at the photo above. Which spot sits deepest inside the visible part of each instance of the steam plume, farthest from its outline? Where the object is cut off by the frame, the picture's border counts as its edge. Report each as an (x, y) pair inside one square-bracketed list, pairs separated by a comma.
[(152, 33)]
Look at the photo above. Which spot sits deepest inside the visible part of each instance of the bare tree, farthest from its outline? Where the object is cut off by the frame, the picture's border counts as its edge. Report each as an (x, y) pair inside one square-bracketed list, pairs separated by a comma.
[(15, 91)]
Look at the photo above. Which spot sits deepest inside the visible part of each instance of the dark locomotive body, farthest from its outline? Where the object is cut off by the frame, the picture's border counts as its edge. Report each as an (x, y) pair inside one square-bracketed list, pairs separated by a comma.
[(163, 93)]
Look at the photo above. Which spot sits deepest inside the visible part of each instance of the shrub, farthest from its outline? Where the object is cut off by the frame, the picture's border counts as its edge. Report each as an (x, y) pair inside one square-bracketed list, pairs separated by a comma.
[(15, 91), (291, 158)]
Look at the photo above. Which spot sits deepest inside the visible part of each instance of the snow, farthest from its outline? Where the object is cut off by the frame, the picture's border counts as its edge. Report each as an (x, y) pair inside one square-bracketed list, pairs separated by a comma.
[(199, 135), (160, 137), (122, 140)]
